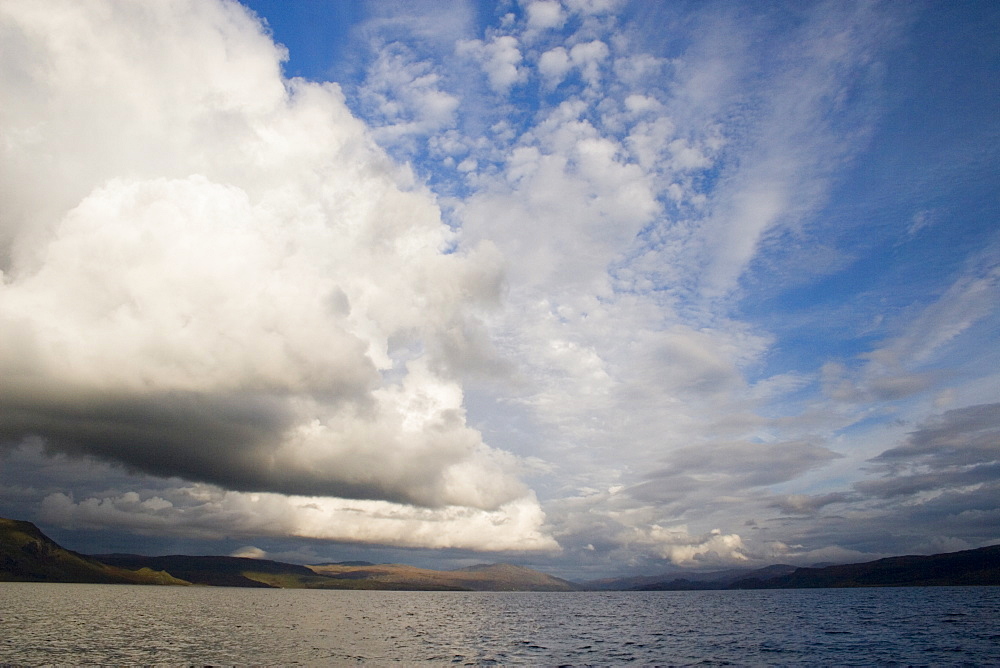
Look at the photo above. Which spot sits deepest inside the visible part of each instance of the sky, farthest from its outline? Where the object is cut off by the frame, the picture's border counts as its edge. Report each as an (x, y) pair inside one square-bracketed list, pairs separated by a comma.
[(594, 286)]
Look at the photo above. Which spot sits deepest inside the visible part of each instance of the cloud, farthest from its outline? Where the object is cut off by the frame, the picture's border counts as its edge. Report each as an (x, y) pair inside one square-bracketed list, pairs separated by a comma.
[(910, 361), (605, 200), (545, 14), (588, 56), (404, 96), (249, 552), (805, 504), (605, 529), (972, 296), (682, 549), (958, 450), (500, 59), (553, 65), (592, 7), (420, 21), (731, 467), (208, 512), (783, 145), (576, 192), (936, 491), (213, 272), (216, 279)]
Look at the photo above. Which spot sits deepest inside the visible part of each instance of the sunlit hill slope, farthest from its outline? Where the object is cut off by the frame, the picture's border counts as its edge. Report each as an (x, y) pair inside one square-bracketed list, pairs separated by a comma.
[(28, 555)]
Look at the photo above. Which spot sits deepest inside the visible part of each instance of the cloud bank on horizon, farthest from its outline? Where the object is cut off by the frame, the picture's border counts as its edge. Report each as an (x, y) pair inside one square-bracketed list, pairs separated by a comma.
[(606, 283)]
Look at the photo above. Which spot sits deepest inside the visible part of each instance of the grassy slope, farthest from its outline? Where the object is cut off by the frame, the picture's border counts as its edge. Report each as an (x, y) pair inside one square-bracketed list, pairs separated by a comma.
[(220, 571), (28, 555), (499, 577)]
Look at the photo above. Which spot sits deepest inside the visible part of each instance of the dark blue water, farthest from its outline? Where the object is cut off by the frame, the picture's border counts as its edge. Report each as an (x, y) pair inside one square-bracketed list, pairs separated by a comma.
[(107, 624)]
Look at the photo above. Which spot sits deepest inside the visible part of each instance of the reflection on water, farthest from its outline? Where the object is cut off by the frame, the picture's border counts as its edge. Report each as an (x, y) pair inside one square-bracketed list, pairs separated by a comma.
[(108, 624)]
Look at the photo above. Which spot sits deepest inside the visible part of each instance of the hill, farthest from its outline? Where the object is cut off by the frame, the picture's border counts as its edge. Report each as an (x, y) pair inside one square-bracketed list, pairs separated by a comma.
[(218, 571), (968, 567), (718, 580), (496, 577), (244, 572), (28, 555)]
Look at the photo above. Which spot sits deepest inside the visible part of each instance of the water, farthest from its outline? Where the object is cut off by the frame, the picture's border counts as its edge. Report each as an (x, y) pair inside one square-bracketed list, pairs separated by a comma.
[(118, 624)]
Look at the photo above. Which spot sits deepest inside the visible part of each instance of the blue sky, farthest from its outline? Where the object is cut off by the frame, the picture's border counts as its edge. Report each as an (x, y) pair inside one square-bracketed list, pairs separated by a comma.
[(590, 285)]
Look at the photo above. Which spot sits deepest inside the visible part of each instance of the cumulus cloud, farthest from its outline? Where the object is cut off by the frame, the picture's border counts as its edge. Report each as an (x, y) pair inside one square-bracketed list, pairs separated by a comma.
[(212, 272), (545, 14), (588, 56), (553, 65), (682, 549), (500, 59), (607, 529)]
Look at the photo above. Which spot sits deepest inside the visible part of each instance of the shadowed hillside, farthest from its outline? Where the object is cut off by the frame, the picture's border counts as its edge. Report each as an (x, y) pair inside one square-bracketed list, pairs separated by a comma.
[(497, 577), (969, 567), (220, 571), (215, 571), (28, 555), (687, 581)]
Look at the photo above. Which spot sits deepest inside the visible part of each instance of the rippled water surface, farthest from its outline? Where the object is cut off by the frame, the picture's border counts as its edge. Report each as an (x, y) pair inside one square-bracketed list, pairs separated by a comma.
[(109, 624)]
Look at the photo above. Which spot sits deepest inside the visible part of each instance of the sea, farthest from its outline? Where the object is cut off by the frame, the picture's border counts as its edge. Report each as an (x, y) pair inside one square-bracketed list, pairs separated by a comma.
[(77, 624)]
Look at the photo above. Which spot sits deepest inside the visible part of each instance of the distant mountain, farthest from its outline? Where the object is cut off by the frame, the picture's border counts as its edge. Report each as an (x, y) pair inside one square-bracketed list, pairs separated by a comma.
[(969, 567), (507, 577), (719, 580), (626, 583), (28, 555), (495, 577), (684, 581)]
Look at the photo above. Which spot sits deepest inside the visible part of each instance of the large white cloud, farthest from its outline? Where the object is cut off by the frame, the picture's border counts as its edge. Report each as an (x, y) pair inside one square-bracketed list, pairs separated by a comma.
[(211, 271), (207, 512)]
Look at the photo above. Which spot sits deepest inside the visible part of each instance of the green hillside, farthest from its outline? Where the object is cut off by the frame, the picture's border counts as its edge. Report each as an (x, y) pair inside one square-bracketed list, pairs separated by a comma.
[(28, 555)]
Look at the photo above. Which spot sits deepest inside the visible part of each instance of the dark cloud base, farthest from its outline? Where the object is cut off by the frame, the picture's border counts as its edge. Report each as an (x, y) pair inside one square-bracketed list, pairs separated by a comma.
[(226, 440)]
